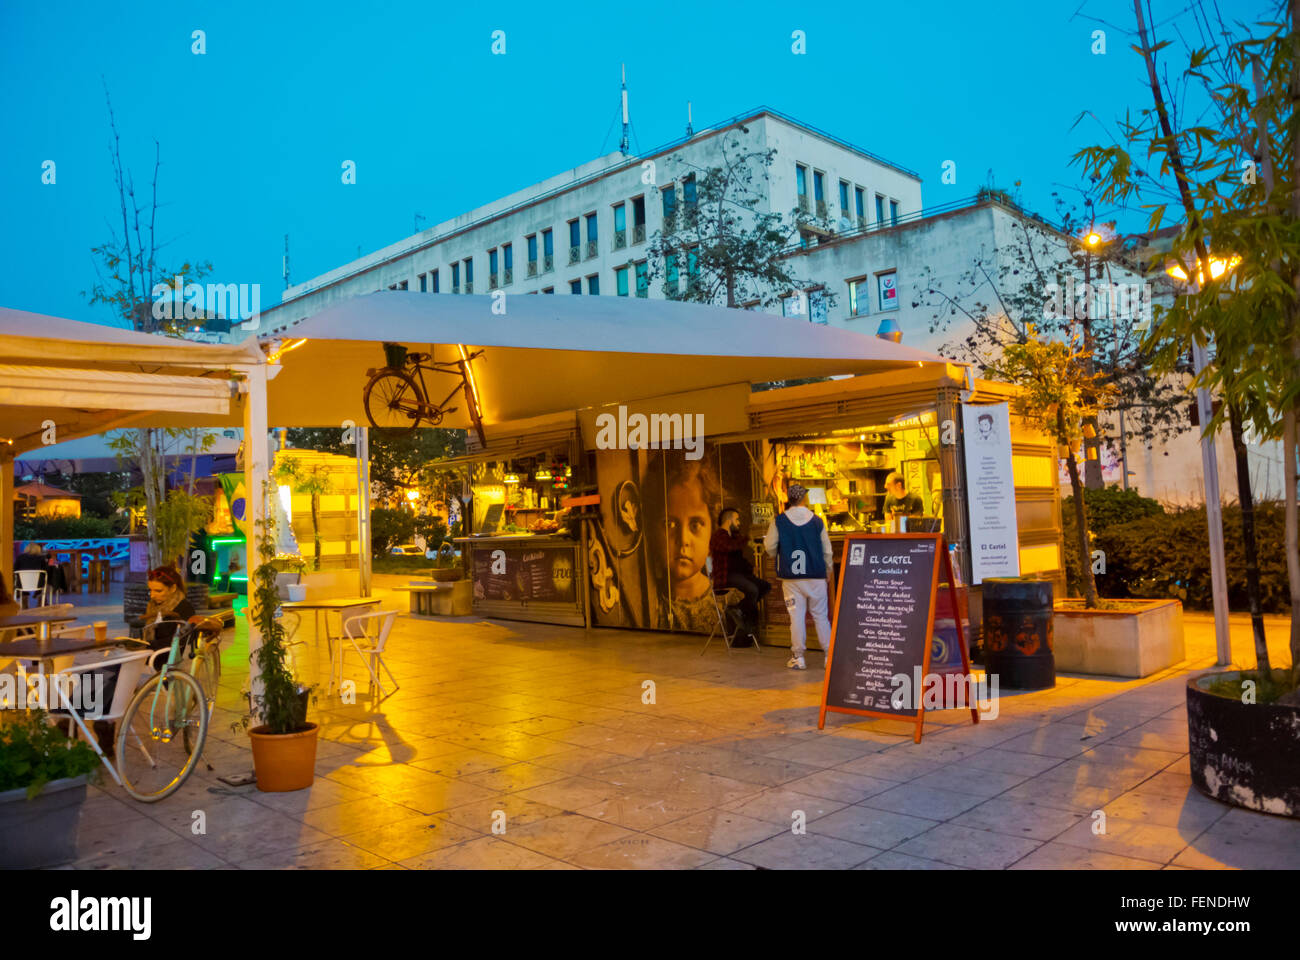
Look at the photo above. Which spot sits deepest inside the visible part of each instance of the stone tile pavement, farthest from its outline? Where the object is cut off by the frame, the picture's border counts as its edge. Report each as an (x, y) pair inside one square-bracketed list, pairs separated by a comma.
[(514, 745)]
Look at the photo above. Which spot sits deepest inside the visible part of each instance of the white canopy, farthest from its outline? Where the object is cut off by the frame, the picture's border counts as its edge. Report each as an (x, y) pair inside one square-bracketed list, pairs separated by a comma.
[(544, 354)]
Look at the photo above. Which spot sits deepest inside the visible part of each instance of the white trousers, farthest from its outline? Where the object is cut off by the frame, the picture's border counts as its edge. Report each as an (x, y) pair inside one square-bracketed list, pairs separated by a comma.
[(802, 596)]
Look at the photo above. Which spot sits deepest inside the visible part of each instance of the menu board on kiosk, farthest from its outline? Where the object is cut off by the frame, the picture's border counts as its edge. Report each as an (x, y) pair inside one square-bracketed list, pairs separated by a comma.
[(883, 626)]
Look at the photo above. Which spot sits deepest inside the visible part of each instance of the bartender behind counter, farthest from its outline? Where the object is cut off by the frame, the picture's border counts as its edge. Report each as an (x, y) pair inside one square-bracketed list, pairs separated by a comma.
[(899, 501)]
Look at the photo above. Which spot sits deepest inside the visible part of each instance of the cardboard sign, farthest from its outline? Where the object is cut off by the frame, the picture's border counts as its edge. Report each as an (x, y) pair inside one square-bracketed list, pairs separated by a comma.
[(884, 626)]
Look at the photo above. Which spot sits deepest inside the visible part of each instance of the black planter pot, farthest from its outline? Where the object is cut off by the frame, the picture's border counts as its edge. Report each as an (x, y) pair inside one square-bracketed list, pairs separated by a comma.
[(1246, 754), (1017, 632)]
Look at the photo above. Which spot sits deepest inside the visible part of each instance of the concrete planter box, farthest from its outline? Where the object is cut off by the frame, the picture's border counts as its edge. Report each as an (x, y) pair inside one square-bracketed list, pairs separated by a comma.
[(1246, 754), (326, 584), (1136, 641), (42, 831)]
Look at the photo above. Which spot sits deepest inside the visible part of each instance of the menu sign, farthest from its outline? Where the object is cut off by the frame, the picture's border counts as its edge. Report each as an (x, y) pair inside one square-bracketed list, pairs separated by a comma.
[(521, 573), (991, 492), (884, 625)]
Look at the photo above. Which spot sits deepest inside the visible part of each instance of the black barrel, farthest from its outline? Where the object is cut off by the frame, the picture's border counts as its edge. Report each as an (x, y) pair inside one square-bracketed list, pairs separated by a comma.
[(1017, 633)]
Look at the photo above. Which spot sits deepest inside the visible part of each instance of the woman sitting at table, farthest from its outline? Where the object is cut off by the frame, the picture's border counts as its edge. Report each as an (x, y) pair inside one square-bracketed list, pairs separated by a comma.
[(167, 601)]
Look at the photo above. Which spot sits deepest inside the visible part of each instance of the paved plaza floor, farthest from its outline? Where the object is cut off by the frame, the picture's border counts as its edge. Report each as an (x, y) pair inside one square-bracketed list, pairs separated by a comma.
[(515, 745)]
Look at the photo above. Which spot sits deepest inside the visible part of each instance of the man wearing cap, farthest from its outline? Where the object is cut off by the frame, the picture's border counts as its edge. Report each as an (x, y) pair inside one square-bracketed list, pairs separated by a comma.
[(799, 541)]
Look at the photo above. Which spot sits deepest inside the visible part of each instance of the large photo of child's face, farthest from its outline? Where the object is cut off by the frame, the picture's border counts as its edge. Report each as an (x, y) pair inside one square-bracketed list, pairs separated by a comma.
[(681, 498)]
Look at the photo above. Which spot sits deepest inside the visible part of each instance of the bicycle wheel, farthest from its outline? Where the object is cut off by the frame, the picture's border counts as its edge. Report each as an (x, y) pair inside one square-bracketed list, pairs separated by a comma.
[(161, 735), (394, 402)]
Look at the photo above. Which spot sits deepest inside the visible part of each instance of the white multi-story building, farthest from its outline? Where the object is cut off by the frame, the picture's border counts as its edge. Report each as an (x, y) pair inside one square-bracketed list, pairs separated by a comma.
[(586, 231)]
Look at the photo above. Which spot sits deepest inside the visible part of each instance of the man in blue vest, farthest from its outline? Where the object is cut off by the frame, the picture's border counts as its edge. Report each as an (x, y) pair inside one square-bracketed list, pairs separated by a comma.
[(802, 547)]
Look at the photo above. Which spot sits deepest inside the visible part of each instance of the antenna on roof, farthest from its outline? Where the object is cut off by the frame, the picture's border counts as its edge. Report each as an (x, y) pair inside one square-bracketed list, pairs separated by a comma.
[(623, 144), (690, 129), (286, 261)]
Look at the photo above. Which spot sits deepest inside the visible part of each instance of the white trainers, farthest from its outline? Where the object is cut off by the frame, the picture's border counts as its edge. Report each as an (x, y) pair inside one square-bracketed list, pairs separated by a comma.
[(796, 663)]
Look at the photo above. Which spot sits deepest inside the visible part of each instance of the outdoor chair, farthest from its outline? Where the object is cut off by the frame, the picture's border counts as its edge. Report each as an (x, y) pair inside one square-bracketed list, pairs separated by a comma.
[(368, 634), (31, 587), (129, 666), (726, 604)]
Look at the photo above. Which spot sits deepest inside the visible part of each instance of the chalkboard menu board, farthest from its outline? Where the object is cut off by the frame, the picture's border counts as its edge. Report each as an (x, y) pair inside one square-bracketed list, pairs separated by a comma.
[(884, 620)]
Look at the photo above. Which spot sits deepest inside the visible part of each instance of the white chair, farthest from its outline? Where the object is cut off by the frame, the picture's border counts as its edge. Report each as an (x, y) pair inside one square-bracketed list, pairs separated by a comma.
[(130, 666), (31, 584), (368, 634)]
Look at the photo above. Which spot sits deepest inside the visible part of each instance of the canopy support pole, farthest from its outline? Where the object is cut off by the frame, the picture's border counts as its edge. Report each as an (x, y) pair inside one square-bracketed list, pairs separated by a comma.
[(256, 475), (7, 518), (363, 509)]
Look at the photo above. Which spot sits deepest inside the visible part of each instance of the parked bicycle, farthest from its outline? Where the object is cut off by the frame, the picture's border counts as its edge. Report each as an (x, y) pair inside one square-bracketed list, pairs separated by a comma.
[(397, 399), (161, 734)]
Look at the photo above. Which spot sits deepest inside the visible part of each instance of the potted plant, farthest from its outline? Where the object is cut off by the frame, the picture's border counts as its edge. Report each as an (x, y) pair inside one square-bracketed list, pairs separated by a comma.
[(284, 742), (446, 565), (43, 779), (312, 480)]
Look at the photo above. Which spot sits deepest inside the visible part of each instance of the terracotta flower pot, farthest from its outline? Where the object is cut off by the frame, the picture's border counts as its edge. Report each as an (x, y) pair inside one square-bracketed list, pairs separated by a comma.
[(284, 761)]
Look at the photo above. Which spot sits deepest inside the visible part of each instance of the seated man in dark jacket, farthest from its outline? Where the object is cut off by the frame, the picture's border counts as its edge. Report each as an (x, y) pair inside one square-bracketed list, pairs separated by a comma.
[(732, 568)]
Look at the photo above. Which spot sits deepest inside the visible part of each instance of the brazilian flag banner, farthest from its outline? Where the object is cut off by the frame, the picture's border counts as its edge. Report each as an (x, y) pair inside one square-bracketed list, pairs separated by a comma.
[(233, 486)]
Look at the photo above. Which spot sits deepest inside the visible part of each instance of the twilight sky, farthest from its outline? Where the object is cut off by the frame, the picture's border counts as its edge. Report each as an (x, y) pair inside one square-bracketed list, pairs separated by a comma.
[(253, 132)]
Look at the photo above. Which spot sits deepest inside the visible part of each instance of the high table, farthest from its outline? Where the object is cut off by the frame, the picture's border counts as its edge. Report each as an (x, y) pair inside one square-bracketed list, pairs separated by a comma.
[(343, 606), (34, 618)]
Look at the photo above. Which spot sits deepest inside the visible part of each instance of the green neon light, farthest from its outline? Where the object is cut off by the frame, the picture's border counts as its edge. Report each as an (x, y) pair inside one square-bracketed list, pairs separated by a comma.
[(239, 579), (217, 540)]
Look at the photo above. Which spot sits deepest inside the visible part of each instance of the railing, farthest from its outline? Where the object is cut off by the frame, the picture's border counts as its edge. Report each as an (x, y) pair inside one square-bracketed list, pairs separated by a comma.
[(492, 281), (469, 286), (821, 209), (455, 288), (592, 249), (509, 274), (575, 254), (804, 206), (643, 292), (548, 263), (620, 239), (532, 268), (638, 233)]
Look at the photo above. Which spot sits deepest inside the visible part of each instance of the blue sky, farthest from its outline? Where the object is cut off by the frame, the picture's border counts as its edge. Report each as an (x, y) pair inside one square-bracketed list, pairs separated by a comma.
[(253, 132)]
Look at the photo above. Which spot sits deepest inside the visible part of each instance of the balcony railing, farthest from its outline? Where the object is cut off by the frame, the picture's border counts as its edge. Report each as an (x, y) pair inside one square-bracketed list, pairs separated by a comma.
[(469, 286), (803, 204), (620, 239), (508, 276), (575, 254), (548, 263), (821, 209), (643, 292), (638, 233), (492, 281), (532, 268), (592, 249)]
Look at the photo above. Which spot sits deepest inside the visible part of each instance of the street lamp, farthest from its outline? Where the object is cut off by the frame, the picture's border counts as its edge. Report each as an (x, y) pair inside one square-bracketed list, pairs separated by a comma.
[(890, 330), (1210, 463)]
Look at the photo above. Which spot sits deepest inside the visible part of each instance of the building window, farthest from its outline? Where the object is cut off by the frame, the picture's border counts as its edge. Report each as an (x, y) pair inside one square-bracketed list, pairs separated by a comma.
[(620, 226), (793, 305), (819, 192), (575, 286), (638, 220), (455, 278), (593, 285), (859, 202), (880, 209), (888, 290), (492, 269), (859, 297), (688, 193), (507, 263), (548, 289), (672, 284), (433, 282), (548, 251), (620, 281), (575, 241), (469, 274), (692, 268), (818, 306), (801, 186), (642, 279), (424, 283), (844, 198), (893, 212), (670, 203), (531, 243), (592, 236)]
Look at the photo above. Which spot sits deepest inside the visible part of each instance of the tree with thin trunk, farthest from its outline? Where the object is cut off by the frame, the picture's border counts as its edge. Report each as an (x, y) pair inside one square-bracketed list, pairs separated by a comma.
[(315, 482)]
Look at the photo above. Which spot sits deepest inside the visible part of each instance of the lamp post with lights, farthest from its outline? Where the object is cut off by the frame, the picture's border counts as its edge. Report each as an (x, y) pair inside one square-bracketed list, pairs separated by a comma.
[(1210, 460)]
